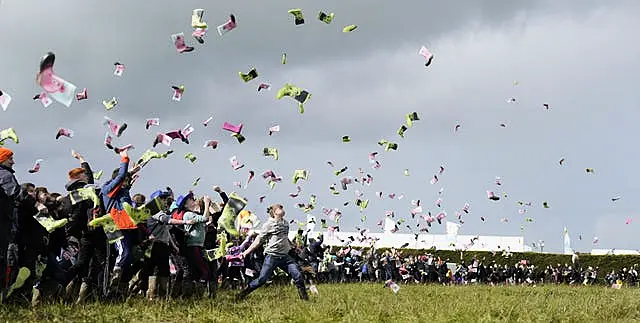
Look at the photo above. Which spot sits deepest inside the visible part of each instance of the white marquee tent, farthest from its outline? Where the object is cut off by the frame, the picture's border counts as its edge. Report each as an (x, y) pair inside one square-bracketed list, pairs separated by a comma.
[(427, 241)]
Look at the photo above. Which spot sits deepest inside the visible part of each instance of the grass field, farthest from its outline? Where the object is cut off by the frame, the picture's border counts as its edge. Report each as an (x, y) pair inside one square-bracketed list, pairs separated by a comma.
[(365, 303)]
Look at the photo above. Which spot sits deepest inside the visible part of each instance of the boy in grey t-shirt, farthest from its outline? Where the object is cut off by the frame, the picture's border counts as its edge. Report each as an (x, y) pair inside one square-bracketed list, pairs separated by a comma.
[(274, 235)]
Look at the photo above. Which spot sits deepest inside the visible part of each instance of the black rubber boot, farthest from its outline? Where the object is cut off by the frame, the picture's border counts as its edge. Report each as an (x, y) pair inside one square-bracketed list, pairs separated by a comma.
[(212, 289), (302, 292), (188, 289), (243, 294)]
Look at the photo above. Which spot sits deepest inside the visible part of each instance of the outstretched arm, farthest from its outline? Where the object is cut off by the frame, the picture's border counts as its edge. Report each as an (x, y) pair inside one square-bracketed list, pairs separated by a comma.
[(266, 231), (252, 247), (207, 210), (124, 164), (84, 165), (222, 194), (247, 242)]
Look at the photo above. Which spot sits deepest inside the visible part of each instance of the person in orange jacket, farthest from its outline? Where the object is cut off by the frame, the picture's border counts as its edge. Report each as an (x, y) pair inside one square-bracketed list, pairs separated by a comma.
[(115, 194)]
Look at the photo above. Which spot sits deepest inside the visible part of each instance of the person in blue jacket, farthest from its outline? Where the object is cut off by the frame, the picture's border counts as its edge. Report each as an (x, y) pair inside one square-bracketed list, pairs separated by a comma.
[(116, 196)]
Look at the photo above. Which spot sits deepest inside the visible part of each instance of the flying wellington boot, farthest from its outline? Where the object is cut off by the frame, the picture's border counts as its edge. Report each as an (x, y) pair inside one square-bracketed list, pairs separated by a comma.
[(411, 117), (326, 18), (269, 151), (297, 15), (230, 213), (196, 19), (246, 77), (9, 134), (300, 174), (23, 274)]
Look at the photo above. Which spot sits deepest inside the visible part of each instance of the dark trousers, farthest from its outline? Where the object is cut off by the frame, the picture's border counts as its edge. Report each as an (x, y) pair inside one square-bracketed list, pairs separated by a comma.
[(8, 249), (159, 260), (91, 256), (4, 247), (213, 270), (196, 268), (213, 277)]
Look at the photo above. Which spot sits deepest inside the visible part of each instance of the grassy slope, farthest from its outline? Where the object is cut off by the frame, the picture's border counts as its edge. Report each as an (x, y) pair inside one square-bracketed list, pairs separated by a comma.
[(367, 303)]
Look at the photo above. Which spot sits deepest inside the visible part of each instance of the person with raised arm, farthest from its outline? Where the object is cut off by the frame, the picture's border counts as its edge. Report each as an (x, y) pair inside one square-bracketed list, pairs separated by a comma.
[(115, 194)]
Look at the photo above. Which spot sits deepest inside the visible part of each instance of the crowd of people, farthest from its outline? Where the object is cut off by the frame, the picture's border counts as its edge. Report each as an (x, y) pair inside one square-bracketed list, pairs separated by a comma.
[(102, 243)]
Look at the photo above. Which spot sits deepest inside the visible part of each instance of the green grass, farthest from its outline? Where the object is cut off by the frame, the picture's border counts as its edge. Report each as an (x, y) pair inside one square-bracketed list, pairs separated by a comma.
[(365, 303)]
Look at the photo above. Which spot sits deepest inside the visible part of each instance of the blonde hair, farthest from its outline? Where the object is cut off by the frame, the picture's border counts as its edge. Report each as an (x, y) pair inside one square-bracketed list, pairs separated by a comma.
[(272, 209), (200, 203)]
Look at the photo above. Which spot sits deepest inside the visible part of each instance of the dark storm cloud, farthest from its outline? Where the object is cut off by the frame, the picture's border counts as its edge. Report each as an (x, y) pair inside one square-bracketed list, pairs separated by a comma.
[(580, 57)]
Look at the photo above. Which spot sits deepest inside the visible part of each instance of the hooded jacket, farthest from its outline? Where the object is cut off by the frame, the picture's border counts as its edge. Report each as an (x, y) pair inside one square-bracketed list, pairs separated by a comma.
[(114, 196), (8, 182), (17, 209), (80, 213), (9, 193)]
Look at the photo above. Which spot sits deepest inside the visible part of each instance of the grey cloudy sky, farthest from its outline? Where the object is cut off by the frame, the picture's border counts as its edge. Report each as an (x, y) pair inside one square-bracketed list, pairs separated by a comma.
[(580, 57)]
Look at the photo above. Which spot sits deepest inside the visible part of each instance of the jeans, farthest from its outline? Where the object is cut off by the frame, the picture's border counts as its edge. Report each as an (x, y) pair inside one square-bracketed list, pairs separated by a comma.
[(284, 262)]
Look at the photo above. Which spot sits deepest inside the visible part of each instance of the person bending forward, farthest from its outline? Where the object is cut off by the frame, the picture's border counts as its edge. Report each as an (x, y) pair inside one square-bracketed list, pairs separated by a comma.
[(274, 235)]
